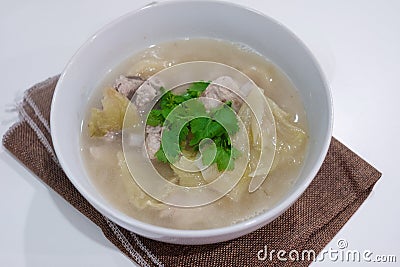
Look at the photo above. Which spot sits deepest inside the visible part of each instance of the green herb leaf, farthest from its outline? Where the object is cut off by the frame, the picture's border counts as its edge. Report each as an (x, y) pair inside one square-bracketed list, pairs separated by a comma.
[(183, 134), (205, 128), (160, 155), (205, 125), (235, 153), (170, 147), (208, 154), (199, 124), (222, 158), (227, 117), (197, 88), (155, 118)]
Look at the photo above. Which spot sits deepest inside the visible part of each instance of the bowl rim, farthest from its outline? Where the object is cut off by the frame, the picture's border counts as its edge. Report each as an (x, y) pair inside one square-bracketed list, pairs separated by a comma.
[(124, 220)]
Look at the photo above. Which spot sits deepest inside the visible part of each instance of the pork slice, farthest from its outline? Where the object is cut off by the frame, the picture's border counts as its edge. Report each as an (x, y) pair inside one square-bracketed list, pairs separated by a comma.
[(218, 90), (127, 85), (145, 94), (153, 140)]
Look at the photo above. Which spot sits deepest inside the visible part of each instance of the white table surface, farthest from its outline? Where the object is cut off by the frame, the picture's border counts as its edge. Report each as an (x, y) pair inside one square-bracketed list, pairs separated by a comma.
[(356, 42)]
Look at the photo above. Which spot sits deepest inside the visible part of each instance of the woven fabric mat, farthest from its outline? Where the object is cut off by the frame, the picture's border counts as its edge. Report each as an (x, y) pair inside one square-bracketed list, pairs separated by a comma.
[(341, 186)]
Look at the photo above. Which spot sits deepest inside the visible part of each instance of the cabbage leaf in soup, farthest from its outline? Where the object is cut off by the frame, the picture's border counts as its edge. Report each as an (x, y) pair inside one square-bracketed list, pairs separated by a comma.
[(111, 117)]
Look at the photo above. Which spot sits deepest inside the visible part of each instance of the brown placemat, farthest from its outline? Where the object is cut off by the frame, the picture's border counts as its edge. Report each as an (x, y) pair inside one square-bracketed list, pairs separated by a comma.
[(342, 184)]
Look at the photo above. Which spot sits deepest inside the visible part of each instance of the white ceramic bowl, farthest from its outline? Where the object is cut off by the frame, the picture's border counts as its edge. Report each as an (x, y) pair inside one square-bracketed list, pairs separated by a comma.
[(165, 21)]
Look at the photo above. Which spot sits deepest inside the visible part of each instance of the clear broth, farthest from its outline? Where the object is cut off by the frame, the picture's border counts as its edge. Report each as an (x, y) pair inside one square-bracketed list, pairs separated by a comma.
[(105, 173)]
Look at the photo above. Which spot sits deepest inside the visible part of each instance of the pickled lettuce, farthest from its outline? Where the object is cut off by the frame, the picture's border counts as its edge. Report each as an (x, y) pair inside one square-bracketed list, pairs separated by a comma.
[(291, 139), (111, 117), (137, 196), (290, 143)]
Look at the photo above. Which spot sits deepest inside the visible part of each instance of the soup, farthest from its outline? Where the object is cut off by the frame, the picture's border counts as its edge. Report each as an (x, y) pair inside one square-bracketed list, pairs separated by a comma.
[(128, 87)]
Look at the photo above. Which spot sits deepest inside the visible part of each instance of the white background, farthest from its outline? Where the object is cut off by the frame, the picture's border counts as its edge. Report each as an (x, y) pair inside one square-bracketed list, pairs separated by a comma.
[(356, 42)]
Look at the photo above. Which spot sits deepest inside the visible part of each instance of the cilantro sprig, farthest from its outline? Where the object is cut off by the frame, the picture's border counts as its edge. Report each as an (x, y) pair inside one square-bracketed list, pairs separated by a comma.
[(169, 101), (192, 130)]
